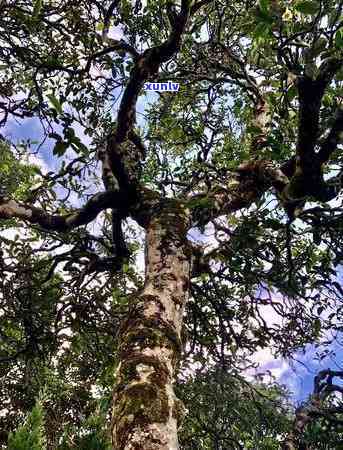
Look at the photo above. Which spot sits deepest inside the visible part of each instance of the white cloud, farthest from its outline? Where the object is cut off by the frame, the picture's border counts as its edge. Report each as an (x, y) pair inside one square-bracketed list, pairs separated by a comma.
[(38, 161)]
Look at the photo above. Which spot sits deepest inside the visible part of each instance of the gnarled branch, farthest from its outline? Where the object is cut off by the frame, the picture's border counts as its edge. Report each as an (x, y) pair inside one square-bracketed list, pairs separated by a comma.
[(11, 209)]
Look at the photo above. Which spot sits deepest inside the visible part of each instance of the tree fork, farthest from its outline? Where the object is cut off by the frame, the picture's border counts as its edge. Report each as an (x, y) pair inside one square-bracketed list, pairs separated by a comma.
[(146, 412)]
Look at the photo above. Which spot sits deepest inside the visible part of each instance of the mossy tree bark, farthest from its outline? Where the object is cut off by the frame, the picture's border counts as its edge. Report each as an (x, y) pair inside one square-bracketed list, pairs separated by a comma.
[(146, 411)]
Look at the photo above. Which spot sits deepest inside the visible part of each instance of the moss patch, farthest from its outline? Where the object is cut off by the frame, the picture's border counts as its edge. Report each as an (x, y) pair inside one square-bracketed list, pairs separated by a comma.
[(149, 337), (138, 406)]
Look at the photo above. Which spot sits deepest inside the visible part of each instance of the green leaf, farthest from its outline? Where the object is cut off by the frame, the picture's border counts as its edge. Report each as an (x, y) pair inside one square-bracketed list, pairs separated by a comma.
[(339, 75), (307, 7), (60, 148), (264, 18), (253, 129), (69, 133), (78, 145), (55, 103), (273, 224), (327, 100), (36, 170), (260, 30), (200, 202), (319, 46), (317, 326), (292, 93), (339, 38), (37, 7), (264, 5)]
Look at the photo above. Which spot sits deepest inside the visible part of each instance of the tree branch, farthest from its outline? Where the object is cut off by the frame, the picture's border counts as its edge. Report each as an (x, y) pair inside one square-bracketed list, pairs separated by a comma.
[(314, 408), (309, 178), (249, 183), (11, 209), (333, 138), (107, 19), (125, 164)]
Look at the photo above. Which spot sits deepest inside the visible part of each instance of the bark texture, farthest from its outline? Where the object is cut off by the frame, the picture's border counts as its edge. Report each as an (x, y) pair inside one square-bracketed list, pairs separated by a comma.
[(146, 411)]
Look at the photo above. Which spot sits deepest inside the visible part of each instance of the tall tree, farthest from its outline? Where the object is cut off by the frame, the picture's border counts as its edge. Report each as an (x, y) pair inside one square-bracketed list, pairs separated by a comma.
[(252, 135)]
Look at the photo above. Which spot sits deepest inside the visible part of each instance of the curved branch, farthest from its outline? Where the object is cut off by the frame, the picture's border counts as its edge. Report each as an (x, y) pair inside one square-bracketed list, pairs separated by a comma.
[(11, 209), (125, 164), (252, 179)]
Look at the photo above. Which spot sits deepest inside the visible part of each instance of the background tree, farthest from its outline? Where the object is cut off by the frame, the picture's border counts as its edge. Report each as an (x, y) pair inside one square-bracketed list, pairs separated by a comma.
[(31, 434), (318, 421), (227, 412), (249, 150)]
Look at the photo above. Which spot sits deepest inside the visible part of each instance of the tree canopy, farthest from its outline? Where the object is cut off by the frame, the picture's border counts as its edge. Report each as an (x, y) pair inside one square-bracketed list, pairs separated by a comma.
[(152, 237)]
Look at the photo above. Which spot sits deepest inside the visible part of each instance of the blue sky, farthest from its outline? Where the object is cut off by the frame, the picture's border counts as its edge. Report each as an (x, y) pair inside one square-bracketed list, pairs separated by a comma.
[(31, 128), (300, 374)]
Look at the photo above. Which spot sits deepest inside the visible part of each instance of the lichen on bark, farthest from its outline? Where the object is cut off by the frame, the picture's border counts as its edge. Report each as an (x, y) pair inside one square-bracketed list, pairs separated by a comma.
[(146, 411)]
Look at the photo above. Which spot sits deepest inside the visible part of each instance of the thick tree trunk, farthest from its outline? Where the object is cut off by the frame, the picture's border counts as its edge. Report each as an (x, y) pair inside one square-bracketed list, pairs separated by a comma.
[(146, 411)]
